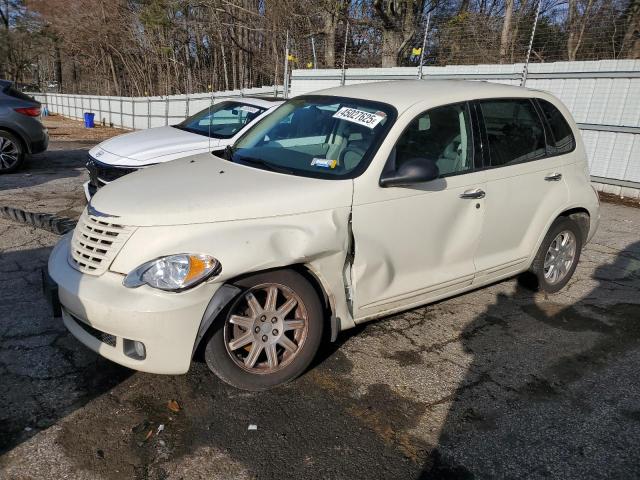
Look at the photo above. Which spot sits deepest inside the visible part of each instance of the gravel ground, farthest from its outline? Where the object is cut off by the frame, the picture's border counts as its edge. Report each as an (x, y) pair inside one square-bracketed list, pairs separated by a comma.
[(496, 383)]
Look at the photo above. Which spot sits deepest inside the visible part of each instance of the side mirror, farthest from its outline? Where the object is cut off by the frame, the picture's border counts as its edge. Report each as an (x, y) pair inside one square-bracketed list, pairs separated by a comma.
[(412, 171)]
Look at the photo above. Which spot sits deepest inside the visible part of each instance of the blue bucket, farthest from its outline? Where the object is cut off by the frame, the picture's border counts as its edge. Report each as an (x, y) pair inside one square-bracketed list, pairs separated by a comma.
[(88, 120)]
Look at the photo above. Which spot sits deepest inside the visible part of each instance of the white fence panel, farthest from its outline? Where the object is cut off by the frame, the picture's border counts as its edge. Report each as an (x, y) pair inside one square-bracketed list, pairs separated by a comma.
[(142, 112)]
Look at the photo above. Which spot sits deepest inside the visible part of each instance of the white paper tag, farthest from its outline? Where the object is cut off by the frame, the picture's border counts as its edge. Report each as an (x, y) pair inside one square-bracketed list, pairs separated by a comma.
[(247, 108), (360, 117)]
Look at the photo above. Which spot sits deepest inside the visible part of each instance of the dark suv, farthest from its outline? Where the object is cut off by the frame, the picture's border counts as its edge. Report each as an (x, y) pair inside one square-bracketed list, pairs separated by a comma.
[(21, 132)]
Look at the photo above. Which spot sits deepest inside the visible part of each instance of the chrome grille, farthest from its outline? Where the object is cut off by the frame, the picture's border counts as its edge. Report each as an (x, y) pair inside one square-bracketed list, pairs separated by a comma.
[(95, 243)]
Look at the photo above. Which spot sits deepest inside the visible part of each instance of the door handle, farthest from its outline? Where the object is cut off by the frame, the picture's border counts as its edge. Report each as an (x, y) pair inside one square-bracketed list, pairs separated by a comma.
[(472, 194), (553, 177)]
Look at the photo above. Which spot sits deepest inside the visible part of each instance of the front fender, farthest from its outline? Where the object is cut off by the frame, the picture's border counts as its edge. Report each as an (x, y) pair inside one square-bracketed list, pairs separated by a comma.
[(316, 239)]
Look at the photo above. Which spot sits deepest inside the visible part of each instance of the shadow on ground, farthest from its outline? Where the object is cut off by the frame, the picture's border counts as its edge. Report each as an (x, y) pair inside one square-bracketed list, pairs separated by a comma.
[(547, 393), (64, 160), (46, 374)]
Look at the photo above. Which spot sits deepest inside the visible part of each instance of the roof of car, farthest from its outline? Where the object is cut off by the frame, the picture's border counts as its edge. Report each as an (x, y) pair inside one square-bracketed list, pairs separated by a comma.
[(404, 93)]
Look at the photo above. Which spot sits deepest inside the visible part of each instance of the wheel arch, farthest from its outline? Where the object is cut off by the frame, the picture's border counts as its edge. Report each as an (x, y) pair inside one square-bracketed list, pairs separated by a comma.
[(580, 214), (18, 135), (228, 291), (582, 217)]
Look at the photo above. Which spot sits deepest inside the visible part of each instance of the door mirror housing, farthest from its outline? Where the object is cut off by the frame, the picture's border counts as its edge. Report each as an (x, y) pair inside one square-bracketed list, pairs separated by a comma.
[(412, 171)]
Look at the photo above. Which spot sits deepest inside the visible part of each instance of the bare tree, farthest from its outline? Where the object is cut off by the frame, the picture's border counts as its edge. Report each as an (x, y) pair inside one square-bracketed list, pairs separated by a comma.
[(505, 37), (400, 19), (631, 40), (579, 11)]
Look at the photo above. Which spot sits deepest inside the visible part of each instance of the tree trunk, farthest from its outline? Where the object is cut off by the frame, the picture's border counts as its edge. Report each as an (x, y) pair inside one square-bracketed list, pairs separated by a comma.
[(400, 21), (392, 41), (330, 25), (58, 62), (577, 24), (631, 41), (505, 37)]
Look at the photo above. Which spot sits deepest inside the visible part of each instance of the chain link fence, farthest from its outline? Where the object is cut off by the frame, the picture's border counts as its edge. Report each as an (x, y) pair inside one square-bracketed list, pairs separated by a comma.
[(528, 32)]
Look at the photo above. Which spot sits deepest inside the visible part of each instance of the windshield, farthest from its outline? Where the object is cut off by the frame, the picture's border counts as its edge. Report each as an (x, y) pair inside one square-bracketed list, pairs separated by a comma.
[(222, 120), (317, 136)]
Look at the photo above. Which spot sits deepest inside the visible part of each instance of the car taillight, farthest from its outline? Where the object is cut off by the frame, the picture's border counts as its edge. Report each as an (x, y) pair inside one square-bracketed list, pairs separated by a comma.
[(29, 111)]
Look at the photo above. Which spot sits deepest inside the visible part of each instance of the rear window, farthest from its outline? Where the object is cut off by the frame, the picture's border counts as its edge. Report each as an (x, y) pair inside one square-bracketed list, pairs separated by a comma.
[(515, 131), (13, 92), (562, 140)]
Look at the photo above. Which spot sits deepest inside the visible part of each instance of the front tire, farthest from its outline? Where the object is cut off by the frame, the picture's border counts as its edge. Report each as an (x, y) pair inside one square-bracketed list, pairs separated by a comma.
[(558, 255), (11, 152), (269, 334)]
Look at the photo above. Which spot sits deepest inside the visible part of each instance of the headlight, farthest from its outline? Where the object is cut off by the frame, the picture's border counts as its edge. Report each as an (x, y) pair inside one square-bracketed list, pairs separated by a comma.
[(174, 272)]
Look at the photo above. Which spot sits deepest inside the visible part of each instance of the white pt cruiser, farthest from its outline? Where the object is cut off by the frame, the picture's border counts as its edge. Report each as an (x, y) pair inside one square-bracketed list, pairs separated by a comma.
[(340, 207)]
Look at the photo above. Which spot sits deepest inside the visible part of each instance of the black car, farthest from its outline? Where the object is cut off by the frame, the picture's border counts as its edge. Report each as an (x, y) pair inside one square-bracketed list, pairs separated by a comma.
[(21, 132)]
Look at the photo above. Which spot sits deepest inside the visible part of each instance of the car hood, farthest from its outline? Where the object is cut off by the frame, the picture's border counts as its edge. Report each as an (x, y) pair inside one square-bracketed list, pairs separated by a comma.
[(149, 146), (204, 188)]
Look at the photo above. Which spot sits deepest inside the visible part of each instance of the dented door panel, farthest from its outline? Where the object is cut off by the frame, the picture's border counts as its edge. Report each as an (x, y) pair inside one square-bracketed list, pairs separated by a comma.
[(415, 244)]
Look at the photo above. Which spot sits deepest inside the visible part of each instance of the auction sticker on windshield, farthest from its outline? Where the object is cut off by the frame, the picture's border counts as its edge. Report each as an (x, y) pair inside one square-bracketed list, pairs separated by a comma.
[(360, 117)]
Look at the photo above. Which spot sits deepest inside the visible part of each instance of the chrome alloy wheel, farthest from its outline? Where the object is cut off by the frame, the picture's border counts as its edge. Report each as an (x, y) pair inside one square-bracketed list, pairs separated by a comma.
[(560, 256), (9, 153), (266, 328)]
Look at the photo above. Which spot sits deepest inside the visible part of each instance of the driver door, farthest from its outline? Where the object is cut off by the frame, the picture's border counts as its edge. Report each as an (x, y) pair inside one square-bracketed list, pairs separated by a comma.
[(417, 243)]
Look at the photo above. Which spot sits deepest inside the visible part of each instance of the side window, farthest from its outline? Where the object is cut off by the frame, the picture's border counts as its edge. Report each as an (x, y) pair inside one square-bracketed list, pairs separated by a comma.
[(562, 140), (515, 131), (442, 134)]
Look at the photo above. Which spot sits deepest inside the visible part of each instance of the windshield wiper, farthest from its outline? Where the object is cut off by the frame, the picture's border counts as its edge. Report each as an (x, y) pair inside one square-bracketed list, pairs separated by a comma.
[(256, 162)]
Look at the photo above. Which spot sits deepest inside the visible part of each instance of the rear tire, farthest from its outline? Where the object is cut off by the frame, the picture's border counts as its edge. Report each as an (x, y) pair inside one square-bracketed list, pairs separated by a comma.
[(12, 152), (269, 334), (558, 255)]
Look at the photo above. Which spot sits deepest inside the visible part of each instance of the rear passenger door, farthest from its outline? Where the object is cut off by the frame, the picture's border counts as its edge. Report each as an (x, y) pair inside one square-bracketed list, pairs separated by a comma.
[(524, 185)]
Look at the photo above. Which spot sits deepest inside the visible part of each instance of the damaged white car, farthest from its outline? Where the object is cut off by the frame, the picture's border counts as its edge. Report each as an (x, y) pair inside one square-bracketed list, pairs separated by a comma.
[(338, 208)]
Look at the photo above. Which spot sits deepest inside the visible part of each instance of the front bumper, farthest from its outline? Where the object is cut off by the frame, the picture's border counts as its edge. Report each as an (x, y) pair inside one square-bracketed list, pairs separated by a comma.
[(101, 313)]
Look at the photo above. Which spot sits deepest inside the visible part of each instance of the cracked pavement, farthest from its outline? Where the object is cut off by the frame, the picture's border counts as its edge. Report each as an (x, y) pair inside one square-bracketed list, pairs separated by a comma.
[(497, 383)]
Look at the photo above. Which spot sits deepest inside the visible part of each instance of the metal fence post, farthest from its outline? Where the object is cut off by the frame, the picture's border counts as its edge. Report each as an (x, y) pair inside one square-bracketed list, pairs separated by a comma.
[(166, 110), (525, 70), (344, 56), (148, 112), (121, 114), (133, 113), (424, 45), (187, 106)]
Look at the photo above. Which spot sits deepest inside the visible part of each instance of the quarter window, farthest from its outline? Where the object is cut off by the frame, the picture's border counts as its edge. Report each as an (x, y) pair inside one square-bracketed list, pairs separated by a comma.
[(515, 131), (442, 135), (562, 140)]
